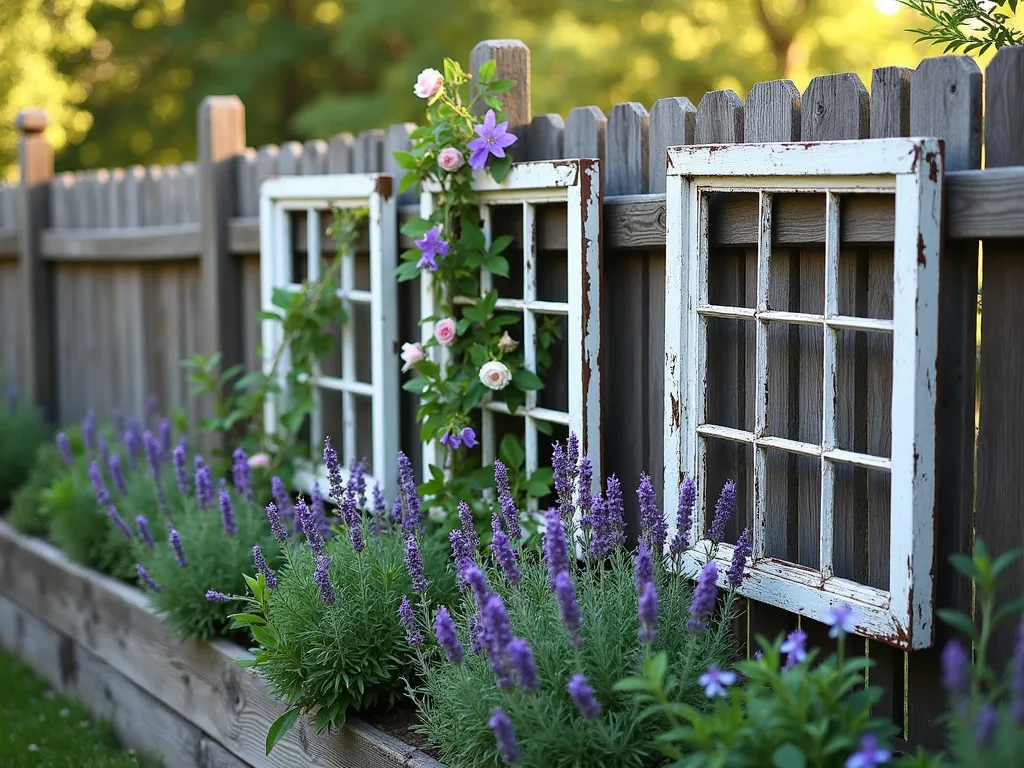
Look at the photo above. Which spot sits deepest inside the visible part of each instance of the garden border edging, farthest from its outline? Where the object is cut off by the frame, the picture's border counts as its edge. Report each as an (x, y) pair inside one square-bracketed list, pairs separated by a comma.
[(73, 610)]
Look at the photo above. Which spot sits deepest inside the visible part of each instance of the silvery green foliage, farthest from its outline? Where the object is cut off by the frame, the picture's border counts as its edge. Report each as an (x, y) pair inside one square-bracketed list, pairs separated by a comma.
[(22, 430)]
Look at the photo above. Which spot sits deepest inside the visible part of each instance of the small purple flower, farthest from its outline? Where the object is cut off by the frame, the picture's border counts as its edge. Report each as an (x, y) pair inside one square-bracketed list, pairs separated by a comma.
[(842, 620), (572, 619), (509, 511), (477, 641), (447, 636), (281, 498), (261, 565), (794, 648), (227, 510), (584, 697), (98, 486), (607, 521), (204, 483), (504, 736), (89, 432), (396, 511), (644, 567), (276, 526), (117, 473), (725, 508), (118, 521), (309, 526), (174, 539), (1017, 678), (647, 610), (412, 517), (65, 448), (563, 477), (322, 578), (956, 676), (214, 596), (241, 473), (504, 554), (870, 755), (180, 473), (740, 554), (133, 442), (556, 546), (357, 479), (474, 577), (164, 431), (408, 620), (432, 246), (468, 526), (716, 680), (451, 440), (377, 510), (145, 578), (142, 524), (705, 595), (652, 522), (333, 465), (469, 437), (985, 726), (492, 139), (353, 518), (498, 634), (584, 499), (684, 517), (520, 658), (414, 562), (572, 449), (462, 552)]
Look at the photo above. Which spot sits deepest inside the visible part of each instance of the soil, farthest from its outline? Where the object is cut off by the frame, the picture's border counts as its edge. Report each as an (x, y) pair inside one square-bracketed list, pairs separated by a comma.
[(399, 722)]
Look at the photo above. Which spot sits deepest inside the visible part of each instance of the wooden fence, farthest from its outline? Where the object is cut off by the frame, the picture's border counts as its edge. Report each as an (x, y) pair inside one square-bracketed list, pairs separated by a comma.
[(109, 278)]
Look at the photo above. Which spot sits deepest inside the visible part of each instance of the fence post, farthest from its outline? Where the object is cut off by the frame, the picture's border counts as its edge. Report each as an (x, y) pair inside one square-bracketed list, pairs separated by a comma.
[(512, 62), (221, 133), (35, 161)]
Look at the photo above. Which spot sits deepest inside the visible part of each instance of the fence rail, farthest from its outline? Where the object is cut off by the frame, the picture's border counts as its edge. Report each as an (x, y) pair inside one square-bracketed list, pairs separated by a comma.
[(109, 278)]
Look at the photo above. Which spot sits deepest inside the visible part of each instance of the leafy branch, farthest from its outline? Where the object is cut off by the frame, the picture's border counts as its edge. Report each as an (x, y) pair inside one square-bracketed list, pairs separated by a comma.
[(972, 26)]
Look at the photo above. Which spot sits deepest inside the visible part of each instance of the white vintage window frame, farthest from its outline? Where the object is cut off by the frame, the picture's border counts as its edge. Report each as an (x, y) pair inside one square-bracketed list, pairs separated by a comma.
[(912, 170), (577, 183), (314, 194)]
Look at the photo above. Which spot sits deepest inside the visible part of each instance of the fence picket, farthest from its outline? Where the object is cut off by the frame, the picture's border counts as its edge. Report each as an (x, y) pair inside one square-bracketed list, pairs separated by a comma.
[(247, 184), (545, 138), (368, 155), (314, 157), (586, 131), (339, 153), (673, 122)]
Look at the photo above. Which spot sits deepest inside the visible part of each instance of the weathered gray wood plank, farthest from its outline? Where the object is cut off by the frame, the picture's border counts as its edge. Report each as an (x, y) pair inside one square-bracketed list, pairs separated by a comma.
[(170, 242), (628, 150), (545, 139), (512, 62), (586, 131), (673, 123)]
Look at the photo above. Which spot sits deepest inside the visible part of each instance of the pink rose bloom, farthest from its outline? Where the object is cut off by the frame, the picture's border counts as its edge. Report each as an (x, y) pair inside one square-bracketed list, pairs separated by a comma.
[(445, 332), (450, 159), (259, 461), (428, 83), (412, 354)]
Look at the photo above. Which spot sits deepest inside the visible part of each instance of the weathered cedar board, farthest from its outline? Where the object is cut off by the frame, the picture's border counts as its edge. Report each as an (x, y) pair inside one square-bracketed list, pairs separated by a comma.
[(195, 679)]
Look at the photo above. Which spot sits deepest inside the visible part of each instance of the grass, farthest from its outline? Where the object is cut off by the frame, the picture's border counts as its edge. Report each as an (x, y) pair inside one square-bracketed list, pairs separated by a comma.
[(43, 730)]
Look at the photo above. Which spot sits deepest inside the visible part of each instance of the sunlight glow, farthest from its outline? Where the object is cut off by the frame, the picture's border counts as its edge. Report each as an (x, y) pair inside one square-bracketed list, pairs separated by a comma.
[(888, 7)]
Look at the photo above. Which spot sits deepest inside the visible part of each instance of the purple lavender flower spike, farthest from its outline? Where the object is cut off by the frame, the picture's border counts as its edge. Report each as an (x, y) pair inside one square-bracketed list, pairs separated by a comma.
[(145, 578), (447, 635), (117, 473), (740, 554), (333, 465), (396, 511), (1017, 679), (501, 483), (142, 524), (412, 517), (504, 554), (572, 619), (468, 525), (563, 478), (180, 473), (556, 546), (261, 565), (414, 562), (684, 517), (716, 680), (164, 431), (492, 138), (647, 611), (584, 697), (98, 486), (118, 521), (584, 499), (477, 640), (461, 549), (870, 754), (985, 726), (153, 460), (309, 526), (227, 510), (357, 478), (174, 539), (504, 735), (704, 596), (725, 508), (316, 507), (433, 246), (276, 526), (644, 567), (408, 620), (281, 498), (118, 418), (204, 483), (520, 658), (956, 677), (241, 474), (652, 521), (65, 448), (498, 632), (379, 505), (841, 619), (322, 578), (795, 648), (89, 432), (353, 518), (133, 442), (572, 450), (214, 596), (607, 521), (476, 580)]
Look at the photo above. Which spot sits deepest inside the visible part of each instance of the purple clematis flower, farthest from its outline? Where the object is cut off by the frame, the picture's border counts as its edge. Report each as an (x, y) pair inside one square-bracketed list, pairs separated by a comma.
[(870, 755), (433, 247), (841, 619), (469, 437), (492, 139), (716, 680), (451, 440)]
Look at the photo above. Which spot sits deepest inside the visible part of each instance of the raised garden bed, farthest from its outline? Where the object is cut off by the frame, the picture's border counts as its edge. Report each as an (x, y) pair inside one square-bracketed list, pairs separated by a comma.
[(185, 702)]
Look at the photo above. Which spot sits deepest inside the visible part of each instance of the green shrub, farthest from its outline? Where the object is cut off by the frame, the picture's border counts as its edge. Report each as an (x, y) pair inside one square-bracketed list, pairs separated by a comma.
[(25, 512), (22, 430)]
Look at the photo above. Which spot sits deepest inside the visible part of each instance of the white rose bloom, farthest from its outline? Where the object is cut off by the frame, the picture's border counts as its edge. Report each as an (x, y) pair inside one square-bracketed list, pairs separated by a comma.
[(495, 375)]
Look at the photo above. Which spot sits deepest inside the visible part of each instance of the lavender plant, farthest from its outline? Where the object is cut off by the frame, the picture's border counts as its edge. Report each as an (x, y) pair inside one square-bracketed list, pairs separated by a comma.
[(22, 430), (329, 638), (523, 667)]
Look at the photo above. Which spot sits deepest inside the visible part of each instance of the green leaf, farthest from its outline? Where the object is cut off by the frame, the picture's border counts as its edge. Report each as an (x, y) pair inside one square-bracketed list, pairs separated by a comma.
[(496, 265), (408, 181), (500, 243), (966, 565), (472, 236), (537, 489), (960, 622), (632, 684), (416, 227), (264, 636), (246, 663), (247, 619), (1004, 561), (527, 380), (789, 756), (406, 159), (487, 69), (417, 385), (502, 86), (406, 271), (280, 727), (500, 167), (1008, 609), (511, 452)]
